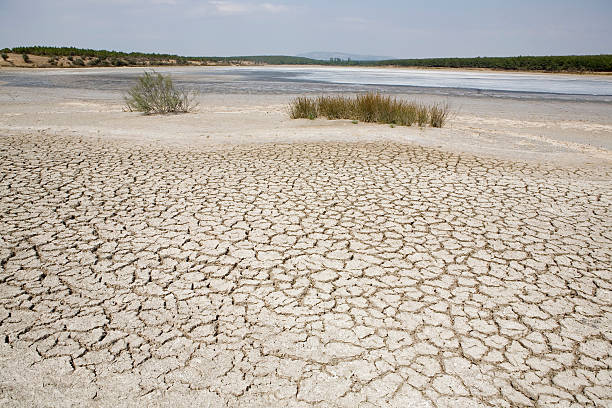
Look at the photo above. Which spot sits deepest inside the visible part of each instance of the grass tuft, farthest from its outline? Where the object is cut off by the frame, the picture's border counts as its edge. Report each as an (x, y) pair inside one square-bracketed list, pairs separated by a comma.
[(304, 108), (156, 93), (438, 115), (370, 107)]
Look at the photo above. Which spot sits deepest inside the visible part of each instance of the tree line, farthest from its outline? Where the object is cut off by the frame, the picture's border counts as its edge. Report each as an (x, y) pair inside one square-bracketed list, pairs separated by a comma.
[(567, 63)]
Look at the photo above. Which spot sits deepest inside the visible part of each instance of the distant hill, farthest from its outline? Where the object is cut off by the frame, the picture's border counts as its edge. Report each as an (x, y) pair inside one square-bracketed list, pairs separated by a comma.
[(325, 56)]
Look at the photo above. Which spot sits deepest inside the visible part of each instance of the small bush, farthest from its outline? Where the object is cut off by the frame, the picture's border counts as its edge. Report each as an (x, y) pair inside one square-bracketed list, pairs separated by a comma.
[(70, 58), (5, 56), (26, 58), (370, 107), (156, 93), (79, 62)]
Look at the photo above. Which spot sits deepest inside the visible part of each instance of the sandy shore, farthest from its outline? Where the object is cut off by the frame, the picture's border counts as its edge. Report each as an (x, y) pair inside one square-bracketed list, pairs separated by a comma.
[(234, 257), (573, 133)]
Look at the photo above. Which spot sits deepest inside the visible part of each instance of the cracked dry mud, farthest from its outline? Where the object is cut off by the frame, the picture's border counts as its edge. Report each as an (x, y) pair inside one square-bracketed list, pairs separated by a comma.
[(302, 275)]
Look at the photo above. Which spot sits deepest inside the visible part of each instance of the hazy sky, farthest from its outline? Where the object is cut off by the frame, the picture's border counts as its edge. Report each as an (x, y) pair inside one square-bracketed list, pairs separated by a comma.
[(428, 28)]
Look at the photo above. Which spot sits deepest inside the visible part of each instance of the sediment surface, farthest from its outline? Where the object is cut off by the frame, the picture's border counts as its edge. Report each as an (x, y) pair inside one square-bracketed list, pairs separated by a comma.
[(305, 274)]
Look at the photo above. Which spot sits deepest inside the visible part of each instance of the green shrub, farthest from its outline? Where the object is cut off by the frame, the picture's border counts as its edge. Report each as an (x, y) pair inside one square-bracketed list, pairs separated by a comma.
[(156, 93), (370, 107), (5, 56), (79, 62), (70, 58), (26, 58)]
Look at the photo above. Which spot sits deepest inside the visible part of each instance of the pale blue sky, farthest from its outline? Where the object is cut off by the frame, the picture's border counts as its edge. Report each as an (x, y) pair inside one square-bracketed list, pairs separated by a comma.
[(408, 29)]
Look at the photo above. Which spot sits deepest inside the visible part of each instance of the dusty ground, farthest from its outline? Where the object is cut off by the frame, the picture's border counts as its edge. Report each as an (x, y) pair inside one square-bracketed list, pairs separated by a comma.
[(236, 258)]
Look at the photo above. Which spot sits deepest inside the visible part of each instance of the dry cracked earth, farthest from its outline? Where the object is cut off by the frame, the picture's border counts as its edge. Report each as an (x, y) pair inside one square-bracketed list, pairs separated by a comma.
[(299, 275)]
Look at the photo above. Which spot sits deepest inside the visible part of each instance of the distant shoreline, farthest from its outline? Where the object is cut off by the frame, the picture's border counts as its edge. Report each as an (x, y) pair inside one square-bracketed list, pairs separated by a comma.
[(382, 67), (70, 57), (416, 67)]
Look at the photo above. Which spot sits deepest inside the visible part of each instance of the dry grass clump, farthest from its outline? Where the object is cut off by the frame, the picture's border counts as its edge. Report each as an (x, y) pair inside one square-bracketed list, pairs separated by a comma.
[(438, 114), (370, 107), (303, 108), (156, 93)]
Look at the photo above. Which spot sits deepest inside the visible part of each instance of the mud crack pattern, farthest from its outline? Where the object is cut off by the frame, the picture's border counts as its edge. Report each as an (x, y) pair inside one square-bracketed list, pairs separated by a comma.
[(300, 275)]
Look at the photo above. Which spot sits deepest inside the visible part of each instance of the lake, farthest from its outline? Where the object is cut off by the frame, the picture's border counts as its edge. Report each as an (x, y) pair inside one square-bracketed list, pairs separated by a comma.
[(299, 79)]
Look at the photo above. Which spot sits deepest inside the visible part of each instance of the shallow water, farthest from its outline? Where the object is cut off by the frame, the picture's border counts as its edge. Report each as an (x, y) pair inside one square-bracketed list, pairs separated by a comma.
[(297, 80)]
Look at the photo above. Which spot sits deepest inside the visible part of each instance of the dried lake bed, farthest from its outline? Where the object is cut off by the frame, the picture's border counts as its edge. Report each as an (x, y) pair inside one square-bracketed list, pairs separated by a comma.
[(235, 257)]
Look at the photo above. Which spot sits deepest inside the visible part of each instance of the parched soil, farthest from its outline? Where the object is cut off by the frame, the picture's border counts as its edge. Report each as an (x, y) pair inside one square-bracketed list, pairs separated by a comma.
[(305, 274)]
